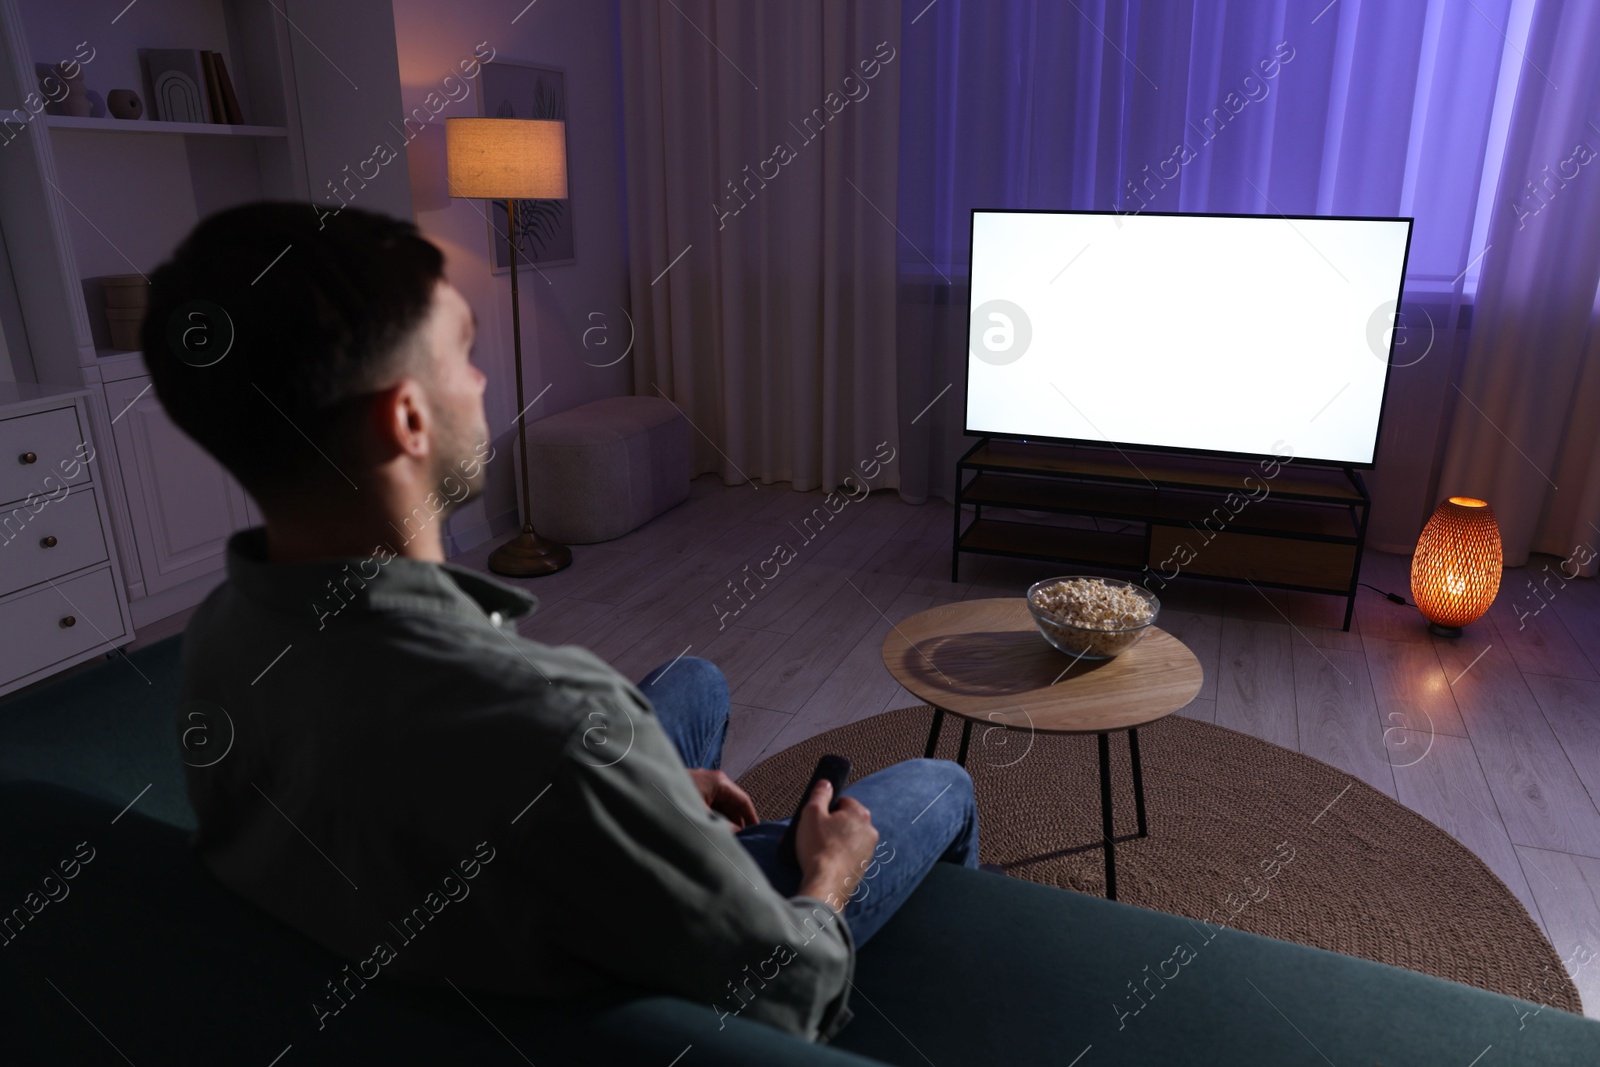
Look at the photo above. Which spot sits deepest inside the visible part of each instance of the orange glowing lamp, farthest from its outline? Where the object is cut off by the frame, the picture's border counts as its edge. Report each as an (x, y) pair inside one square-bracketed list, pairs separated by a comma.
[(1455, 572)]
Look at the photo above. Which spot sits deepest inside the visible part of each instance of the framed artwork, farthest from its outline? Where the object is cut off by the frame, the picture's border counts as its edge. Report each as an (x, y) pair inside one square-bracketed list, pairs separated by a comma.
[(178, 85), (543, 228)]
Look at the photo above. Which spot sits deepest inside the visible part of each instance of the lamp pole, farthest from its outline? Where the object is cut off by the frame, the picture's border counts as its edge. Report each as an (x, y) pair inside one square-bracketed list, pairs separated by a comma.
[(527, 555), (516, 343)]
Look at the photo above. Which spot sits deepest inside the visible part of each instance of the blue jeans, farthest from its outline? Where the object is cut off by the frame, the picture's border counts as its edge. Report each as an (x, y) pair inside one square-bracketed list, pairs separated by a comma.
[(923, 808)]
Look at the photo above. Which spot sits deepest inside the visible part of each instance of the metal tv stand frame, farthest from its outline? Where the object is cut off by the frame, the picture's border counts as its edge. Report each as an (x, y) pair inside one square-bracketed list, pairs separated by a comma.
[(1303, 527)]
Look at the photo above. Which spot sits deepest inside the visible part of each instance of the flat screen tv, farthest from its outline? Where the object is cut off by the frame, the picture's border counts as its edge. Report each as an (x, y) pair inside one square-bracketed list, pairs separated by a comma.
[(1232, 335)]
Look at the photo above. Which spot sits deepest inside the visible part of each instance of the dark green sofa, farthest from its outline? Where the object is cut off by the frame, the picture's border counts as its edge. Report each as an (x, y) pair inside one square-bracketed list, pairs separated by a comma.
[(145, 960)]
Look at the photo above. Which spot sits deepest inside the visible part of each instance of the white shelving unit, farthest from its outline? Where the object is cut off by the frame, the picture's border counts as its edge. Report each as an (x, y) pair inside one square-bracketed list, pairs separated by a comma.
[(111, 196), (203, 129), (90, 197)]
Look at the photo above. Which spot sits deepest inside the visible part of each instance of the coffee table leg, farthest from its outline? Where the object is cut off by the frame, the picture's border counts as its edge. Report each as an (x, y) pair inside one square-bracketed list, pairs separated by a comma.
[(933, 734), (966, 737), (1105, 816), (1138, 781)]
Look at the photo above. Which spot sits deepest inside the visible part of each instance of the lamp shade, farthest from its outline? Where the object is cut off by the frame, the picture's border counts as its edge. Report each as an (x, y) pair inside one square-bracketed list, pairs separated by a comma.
[(1455, 572), (507, 159)]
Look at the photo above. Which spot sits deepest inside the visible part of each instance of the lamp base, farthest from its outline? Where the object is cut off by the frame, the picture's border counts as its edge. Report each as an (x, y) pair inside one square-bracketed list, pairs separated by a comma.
[(528, 555), (1433, 628)]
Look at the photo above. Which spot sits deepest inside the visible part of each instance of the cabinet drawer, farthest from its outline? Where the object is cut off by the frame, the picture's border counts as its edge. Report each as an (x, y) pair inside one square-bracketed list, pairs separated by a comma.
[(53, 538), (53, 438), (36, 628)]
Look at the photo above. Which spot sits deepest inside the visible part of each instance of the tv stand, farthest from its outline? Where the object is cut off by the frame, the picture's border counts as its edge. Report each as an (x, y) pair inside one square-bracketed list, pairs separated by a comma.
[(1271, 523)]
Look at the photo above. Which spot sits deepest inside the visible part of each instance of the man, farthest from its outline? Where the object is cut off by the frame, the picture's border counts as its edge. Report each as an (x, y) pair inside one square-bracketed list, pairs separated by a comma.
[(409, 781)]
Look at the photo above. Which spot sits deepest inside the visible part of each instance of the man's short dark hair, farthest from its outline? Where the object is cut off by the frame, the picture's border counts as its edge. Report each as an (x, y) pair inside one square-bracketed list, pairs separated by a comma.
[(270, 324)]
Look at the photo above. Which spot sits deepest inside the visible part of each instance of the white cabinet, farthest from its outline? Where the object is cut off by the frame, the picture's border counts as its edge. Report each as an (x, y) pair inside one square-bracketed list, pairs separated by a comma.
[(61, 592), (182, 505)]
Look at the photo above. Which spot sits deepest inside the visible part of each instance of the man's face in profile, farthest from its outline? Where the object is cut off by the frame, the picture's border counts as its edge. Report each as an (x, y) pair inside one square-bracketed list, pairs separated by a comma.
[(455, 393)]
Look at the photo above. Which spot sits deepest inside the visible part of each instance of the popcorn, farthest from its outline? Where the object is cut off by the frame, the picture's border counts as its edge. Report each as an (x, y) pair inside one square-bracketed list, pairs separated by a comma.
[(1072, 610)]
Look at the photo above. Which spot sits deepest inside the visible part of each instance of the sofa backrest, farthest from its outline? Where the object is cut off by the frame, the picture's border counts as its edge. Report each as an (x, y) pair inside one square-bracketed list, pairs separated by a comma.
[(114, 933), (110, 730), (107, 913)]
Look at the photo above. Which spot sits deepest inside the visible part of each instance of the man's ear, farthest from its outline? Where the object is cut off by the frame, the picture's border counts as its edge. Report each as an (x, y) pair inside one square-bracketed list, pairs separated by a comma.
[(402, 420)]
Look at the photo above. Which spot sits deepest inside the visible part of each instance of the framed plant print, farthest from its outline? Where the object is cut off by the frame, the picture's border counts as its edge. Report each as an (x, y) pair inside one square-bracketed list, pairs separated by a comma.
[(509, 89)]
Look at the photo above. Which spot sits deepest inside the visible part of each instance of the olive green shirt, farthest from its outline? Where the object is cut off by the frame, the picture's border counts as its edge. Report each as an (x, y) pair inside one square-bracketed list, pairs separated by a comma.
[(378, 759)]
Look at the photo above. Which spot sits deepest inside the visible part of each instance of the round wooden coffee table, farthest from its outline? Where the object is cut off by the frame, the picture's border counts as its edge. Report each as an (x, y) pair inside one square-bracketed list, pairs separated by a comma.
[(985, 661)]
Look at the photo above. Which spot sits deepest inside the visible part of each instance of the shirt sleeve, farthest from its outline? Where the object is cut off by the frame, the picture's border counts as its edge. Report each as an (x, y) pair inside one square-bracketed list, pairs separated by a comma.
[(656, 890)]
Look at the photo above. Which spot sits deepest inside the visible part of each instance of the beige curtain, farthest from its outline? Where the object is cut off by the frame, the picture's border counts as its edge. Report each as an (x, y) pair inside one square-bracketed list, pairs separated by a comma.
[(761, 142), (1525, 432)]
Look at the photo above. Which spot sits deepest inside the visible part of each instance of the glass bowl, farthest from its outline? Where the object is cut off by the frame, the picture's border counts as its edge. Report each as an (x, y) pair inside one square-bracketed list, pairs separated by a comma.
[(1088, 642)]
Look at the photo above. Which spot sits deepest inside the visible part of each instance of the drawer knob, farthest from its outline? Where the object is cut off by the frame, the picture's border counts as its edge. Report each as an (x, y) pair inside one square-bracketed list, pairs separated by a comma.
[(48, 541), (28, 457), (68, 620)]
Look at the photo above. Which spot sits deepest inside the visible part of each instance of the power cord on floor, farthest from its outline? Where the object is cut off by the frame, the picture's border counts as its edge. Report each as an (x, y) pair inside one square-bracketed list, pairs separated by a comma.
[(1393, 598)]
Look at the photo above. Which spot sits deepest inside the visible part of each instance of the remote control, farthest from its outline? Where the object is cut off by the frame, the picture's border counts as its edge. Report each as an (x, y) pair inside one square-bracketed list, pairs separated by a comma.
[(836, 771)]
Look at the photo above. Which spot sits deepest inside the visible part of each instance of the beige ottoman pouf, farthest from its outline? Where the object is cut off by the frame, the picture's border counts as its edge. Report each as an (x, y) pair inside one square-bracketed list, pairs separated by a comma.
[(597, 471)]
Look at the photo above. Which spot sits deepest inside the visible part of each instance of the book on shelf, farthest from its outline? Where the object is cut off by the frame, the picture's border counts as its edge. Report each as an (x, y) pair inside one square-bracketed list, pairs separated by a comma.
[(208, 64), (230, 100)]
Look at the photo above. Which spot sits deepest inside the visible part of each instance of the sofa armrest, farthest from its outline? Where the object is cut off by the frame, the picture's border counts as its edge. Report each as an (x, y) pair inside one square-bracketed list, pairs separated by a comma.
[(977, 968)]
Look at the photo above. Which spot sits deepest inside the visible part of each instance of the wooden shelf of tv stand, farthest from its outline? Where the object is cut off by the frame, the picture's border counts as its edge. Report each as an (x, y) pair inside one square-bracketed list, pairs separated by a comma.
[(1295, 528), (1167, 471), (1141, 503), (997, 537)]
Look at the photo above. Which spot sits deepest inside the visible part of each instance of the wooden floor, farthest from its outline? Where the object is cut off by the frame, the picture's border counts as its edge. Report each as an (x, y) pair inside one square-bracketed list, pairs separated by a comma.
[(1494, 736)]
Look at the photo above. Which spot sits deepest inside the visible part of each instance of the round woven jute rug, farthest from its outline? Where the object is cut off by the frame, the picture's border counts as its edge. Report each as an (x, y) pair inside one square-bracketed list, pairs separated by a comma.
[(1242, 833)]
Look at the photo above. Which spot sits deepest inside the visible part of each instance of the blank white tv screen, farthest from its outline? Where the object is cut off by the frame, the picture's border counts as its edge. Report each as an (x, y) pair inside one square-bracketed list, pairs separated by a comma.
[(1244, 335)]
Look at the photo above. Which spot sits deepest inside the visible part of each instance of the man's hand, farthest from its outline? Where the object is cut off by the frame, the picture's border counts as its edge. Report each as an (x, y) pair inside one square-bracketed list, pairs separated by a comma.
[(834, 847), (724, 797)]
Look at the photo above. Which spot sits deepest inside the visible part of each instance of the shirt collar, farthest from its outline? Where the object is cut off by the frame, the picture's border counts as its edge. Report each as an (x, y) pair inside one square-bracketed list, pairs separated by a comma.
[(374, 583)]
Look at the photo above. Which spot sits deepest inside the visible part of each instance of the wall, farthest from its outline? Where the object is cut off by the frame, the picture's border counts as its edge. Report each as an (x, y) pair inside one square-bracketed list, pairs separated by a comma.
[(347, 99), (563, 302)]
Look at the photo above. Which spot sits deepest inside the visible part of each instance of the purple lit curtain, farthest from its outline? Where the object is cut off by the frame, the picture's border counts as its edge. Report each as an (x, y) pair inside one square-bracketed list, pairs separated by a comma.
[(1354, 107), (1525, 434), (760, 141)]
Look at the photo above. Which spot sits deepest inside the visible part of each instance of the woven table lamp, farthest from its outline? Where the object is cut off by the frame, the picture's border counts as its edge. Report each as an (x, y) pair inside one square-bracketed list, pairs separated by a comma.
[(1455, 572)]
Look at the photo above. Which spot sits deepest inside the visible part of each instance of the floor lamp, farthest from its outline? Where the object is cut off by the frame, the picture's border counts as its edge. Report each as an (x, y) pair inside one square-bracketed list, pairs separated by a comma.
[(511, 160)]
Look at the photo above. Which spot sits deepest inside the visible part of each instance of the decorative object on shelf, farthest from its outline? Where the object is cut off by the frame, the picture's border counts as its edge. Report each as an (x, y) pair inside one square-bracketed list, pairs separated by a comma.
[(61, 89), (542, 225), (124, 104), (514, 159), (125, 297), (1455, 572), (50, 91), (125, 325), (65, 95), (177, 84)]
